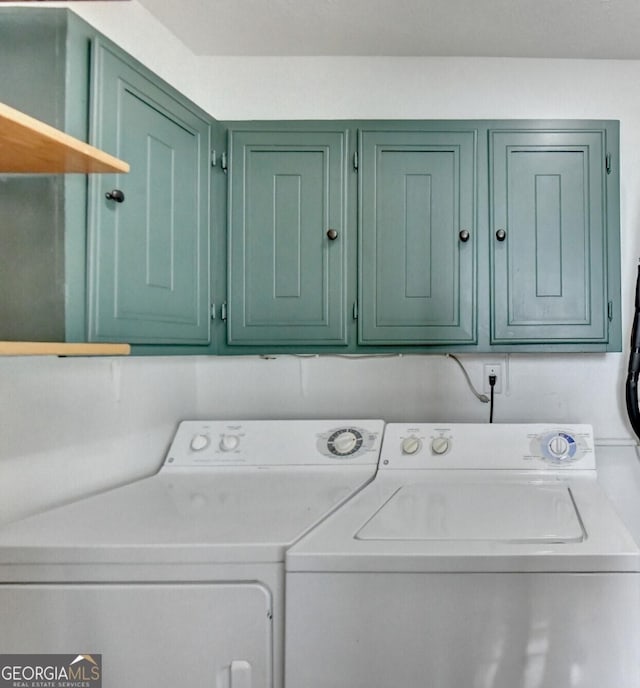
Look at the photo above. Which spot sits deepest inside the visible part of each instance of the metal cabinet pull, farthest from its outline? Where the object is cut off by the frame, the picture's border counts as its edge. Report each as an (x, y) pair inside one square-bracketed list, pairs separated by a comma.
[(501, 235), (464, 235), (115, 195), (332, 234)]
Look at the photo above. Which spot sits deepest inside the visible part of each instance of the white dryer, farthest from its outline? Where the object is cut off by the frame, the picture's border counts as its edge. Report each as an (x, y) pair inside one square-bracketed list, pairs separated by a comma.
[(481, 556), (178, 579)]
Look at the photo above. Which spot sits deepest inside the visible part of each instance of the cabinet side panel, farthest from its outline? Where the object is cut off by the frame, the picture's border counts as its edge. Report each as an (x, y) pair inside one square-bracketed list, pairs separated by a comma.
[(32, 270)]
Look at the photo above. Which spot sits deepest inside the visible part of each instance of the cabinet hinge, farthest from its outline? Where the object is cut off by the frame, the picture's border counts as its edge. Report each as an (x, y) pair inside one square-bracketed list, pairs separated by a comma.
[(213, 311), (214, 158), (223, 162), (223, 311), (610, 310), (607, 159), (355, 160), (355, 311)]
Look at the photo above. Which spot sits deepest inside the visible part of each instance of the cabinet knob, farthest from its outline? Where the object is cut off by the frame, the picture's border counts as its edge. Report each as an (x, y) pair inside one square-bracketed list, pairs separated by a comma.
[(332, 234), (115, 195), (464, 235), (501, 235)]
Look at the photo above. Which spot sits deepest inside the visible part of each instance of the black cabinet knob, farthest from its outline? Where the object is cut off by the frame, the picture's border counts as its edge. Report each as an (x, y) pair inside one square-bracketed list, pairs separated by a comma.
[(464, 235), (115, 195), (332, 234), (501, 235)]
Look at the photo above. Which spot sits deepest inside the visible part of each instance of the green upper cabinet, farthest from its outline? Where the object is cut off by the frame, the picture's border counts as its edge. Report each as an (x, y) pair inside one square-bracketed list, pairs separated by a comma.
[(287, 237), (549, 235), (478, 236), (417, 235), (149, 254)]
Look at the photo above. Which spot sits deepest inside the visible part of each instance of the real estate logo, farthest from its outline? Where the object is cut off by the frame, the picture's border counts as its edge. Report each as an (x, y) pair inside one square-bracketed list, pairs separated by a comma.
[(51, 671)]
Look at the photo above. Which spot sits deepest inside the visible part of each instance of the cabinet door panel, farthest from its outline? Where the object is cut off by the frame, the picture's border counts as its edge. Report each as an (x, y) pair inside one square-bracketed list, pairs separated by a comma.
[(150, 253), (286, 278), (417, 276), (549, 279)]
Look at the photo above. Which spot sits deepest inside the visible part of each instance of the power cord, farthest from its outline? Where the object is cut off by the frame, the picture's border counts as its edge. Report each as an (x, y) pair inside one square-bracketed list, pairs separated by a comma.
[(481, 397), (492, 384)]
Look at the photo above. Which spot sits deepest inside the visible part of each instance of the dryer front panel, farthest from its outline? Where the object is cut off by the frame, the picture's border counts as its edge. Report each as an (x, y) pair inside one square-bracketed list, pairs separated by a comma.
[(182, 634)]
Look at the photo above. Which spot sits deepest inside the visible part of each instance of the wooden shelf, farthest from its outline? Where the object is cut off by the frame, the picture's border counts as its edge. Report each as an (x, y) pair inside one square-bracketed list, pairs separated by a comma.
[(30, 146), (62, 349)]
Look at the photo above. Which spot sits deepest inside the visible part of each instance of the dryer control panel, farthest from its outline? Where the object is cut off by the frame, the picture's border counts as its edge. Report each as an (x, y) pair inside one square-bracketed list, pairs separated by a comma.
[(265, 443), (487, 446)]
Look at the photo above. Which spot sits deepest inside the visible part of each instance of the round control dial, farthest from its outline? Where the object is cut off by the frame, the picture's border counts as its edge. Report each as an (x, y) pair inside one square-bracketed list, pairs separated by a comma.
[(411, 445), (199, 442), (440, 445), (344, 442), (559, 447), (229, 442)]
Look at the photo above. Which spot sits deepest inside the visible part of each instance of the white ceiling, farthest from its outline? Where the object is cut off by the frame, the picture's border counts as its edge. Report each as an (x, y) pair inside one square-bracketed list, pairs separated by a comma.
[(491, 28)]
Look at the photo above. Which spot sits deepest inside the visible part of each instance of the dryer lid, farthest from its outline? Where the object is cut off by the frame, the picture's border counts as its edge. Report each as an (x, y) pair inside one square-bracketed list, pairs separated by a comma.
[(533, 512)]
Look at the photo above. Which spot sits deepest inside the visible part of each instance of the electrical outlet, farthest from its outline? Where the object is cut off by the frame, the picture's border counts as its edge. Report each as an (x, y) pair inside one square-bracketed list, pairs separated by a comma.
[(496, 369)]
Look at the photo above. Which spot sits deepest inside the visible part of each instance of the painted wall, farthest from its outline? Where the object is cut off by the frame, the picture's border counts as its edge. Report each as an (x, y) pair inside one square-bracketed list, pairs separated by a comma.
[(73, 426)]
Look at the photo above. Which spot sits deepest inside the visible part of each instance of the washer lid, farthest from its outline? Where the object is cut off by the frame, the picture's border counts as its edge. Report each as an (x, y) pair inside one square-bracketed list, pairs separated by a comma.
[(512, 513)]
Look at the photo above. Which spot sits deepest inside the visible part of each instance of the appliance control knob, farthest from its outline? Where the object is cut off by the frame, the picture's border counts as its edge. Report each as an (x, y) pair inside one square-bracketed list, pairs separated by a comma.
[(345, 443), (559, 447), (411, 445), (199, 442), (440, 445), (229, 442)]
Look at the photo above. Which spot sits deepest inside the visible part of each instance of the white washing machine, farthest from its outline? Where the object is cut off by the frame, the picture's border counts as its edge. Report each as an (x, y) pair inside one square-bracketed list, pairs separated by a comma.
[(481, 556), (178, 579)]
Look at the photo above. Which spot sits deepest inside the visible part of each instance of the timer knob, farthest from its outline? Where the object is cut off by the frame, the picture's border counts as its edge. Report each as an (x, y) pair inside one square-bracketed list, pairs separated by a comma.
[(199, 442), (559, 447), (411, 445), (440, 445), (229, 442), (345, 443)]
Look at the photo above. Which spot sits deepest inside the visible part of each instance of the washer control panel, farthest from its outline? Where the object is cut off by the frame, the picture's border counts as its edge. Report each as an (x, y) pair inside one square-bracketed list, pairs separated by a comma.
[(495, 446), (274, 443)]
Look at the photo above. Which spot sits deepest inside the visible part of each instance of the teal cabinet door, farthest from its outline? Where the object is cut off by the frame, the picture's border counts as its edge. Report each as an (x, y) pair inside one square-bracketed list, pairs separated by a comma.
[(286, 276), (149, 255), (417, 237), (548, 237)]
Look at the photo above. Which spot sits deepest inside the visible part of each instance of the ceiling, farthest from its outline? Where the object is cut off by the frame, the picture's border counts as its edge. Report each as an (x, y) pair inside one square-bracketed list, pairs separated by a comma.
[(488, 28)]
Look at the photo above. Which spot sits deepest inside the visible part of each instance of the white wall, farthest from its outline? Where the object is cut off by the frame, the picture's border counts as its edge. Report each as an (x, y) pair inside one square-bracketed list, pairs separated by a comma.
[(70, 426)]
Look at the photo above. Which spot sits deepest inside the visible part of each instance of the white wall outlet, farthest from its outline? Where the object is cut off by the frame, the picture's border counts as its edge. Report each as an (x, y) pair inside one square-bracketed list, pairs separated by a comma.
[(496, 369)]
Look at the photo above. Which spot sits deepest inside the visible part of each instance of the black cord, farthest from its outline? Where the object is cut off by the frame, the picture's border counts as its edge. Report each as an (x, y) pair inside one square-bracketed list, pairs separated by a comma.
[(492, 384), (634, 365)]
